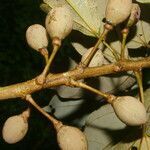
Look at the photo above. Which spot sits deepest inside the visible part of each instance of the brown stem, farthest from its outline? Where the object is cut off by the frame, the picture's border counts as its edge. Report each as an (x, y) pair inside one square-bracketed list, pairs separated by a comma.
[(123, 44), (140, 145), (86, 62), (44, 53), (26, 114), (42, 76), (28, 87), (57, 124), (107, 96), (138, 75)]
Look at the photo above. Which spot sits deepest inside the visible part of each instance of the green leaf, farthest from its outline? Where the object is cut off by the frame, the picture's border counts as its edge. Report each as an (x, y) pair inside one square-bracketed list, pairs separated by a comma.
[(63, 108), (88, 11), (141, 37), (102, 128), (87, 14), (147, 98), (143, 1), (147, 105), (139, 143)]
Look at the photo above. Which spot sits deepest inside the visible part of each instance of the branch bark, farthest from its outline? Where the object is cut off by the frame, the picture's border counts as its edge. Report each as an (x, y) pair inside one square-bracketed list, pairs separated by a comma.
[(31, 86)]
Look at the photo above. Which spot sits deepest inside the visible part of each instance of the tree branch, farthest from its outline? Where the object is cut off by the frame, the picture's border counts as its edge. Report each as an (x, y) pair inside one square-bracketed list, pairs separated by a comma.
[(28, 87)]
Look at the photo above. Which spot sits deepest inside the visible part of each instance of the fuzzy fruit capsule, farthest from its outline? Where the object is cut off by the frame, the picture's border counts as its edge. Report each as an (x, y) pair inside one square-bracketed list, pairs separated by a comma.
[(117, 11), (37, 37), (135, 15), (130, 110), (71, 138), (14, 129), (59, 22)]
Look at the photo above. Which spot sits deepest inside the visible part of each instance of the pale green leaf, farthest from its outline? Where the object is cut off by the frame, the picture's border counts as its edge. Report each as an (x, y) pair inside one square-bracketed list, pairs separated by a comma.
[(147, 105), (87, 14), (142, 36), (102, 127), (79, 47), (147, 98), (128, 144), (88, 11), (143, 1), (62, 109)]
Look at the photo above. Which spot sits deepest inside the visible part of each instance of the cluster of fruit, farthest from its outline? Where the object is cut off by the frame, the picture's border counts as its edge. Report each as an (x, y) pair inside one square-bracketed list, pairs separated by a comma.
[(59, 24)]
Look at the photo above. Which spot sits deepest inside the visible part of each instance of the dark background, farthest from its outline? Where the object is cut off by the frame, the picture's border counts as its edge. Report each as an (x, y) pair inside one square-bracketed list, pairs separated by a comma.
[(19, 63)]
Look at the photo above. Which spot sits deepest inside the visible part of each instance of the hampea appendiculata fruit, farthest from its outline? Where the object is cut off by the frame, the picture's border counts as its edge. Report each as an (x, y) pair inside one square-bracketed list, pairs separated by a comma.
[(117, 11), (16, 127), (37, 37), (59, 22), (71, 138), (130, 110)]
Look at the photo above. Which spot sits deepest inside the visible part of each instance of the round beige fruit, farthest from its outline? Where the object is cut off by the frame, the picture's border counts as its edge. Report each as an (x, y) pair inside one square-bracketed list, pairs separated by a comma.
[(37, 37), (14, 129), (118, 11), (59, 22), (71, 138), (130, 110)]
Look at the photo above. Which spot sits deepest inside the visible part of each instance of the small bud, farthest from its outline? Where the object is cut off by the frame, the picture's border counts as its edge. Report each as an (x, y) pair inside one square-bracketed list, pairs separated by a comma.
[(135, 15), (117, 11), (97, 60), (37, 37), (130, 110), (71, 138), (15, 128), (59, 22)]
